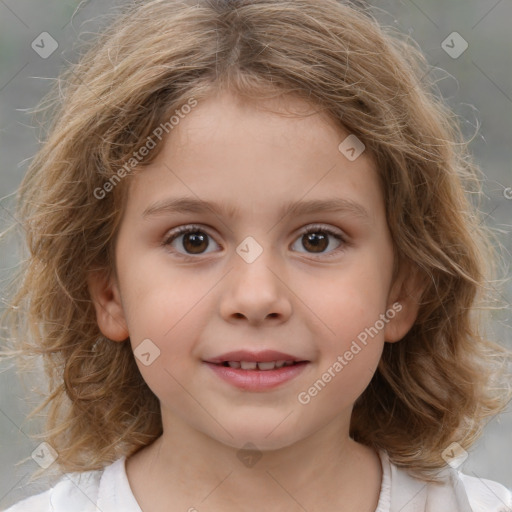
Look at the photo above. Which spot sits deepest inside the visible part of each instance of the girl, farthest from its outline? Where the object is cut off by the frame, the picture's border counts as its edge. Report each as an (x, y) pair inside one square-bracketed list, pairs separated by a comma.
[(253, 270)]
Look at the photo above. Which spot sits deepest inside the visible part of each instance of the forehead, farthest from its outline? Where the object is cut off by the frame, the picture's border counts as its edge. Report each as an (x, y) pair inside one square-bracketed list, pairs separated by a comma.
[(256, 154), (224, 117)]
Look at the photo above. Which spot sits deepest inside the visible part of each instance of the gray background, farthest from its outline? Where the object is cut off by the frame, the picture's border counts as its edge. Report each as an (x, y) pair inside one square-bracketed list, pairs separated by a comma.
[(477, 85)]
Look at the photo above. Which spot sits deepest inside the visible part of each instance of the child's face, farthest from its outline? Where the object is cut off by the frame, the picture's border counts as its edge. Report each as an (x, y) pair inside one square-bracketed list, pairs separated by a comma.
[(307, 297)]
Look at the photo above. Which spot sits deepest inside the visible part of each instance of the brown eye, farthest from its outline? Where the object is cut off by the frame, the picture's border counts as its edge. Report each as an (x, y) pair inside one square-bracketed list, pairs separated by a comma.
[(316, 242), (189, 240), (196, 242), (318, 239)]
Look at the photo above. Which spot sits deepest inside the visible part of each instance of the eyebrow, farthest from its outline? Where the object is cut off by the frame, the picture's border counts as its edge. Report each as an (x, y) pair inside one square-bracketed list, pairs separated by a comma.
[(194, 205)]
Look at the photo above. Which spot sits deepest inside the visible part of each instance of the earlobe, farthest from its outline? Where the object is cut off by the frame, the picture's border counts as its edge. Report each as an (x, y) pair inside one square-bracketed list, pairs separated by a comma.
[(404, 298), (110, 316)]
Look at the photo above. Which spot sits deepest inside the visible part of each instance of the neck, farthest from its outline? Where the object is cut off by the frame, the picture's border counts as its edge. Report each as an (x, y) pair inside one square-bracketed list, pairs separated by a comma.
[(189, 467)]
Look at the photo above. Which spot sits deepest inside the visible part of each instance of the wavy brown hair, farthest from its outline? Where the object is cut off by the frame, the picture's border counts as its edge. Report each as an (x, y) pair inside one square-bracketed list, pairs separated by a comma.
[(437, 385)]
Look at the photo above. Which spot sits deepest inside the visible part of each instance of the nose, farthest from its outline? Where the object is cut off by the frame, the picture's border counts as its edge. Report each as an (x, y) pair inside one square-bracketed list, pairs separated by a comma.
[(255, 292)]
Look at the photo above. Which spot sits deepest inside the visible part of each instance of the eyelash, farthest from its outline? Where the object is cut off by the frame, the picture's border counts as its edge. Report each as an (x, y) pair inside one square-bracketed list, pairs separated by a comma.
[(315, 228)]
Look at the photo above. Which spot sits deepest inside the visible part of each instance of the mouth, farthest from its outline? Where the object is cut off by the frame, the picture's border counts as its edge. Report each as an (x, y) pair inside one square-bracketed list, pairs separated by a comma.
[(251, 360), (258, 365), (257, 371)]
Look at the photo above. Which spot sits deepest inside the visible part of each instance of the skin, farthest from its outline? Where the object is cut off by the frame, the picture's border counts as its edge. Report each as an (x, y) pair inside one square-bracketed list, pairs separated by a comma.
[(290, 299)]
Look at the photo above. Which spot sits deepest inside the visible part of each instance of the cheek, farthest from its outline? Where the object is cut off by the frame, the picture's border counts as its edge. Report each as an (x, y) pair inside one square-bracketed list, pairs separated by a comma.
[(342, 303), (172, 322), (157, 296), (350, 339), (340, 383), (167, 309)]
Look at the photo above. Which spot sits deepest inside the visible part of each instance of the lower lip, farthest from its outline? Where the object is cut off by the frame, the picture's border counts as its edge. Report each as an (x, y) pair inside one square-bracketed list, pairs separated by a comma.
[(257, 380)]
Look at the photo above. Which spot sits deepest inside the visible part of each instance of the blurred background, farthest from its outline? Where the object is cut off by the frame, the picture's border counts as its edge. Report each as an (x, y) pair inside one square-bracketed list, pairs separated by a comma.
[(473, 70)]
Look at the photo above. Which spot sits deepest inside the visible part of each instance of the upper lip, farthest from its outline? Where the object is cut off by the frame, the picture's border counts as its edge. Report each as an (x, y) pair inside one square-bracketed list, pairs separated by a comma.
[(257, 357)]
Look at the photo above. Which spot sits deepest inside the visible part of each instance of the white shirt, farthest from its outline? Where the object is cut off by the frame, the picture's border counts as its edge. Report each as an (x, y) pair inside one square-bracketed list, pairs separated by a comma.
[(108, 490)]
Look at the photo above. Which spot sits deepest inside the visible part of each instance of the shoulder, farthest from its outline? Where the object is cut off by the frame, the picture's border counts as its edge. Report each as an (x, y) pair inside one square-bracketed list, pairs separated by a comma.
[(91, 491), (456, 492), (74, 491), (486, 495), (37, 503)]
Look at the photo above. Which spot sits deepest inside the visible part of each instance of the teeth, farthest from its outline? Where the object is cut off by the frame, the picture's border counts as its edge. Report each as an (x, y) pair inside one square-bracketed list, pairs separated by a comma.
[(267, 366), (251, 365), (248, 365)]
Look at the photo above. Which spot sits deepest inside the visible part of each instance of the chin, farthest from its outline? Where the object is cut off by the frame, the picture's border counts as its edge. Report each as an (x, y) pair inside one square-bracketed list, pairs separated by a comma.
[(252, 439)]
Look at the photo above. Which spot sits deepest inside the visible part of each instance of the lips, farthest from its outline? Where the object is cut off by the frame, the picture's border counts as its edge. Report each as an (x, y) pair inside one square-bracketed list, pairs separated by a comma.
[(257, 371), (255, 380)]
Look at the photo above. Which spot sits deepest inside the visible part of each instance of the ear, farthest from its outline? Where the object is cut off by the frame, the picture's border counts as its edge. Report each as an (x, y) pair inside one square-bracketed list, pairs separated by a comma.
[(404, 298), (107, 302)]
